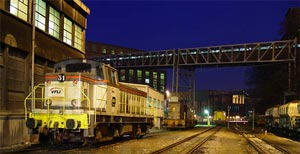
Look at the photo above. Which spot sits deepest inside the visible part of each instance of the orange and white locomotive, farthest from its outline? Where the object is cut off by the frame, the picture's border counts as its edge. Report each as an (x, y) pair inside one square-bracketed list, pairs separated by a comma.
[(84, 101)]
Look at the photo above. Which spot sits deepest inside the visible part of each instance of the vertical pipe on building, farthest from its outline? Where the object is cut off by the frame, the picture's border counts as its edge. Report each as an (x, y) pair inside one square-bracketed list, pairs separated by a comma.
[(32, 48)]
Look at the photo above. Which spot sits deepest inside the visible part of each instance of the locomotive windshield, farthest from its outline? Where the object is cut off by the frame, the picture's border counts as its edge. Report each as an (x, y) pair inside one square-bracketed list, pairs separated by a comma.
[(79, 67), (93, 68)]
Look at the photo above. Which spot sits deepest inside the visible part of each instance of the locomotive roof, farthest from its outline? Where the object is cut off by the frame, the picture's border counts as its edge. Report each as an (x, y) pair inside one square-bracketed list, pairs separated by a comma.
[(79, 60)]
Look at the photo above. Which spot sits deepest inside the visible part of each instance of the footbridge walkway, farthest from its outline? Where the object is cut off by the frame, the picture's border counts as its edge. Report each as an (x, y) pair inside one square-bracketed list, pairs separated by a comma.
[(185, 61), (250, 53)]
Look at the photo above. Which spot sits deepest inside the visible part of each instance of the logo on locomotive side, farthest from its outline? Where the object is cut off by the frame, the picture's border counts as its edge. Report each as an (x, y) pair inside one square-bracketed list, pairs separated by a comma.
[(56, 92)]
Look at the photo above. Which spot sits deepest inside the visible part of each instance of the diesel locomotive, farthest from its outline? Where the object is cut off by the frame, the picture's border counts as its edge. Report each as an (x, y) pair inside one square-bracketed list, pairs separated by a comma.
[(83, 101)]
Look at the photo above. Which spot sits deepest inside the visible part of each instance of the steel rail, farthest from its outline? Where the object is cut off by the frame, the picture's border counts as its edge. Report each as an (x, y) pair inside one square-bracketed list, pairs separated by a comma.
[(257, 146), (277, 147), (180, 142), (195, 148)]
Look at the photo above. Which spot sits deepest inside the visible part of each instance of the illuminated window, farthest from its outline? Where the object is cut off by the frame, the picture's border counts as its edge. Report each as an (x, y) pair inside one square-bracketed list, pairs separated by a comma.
[(19, 8), (162, 82), (122, 74), (103, 50), (78, 38), (154, 80), (40, 14), (147, 74), (53, 22), (112, 52), (130, 75), (67, 31), (139, 76)]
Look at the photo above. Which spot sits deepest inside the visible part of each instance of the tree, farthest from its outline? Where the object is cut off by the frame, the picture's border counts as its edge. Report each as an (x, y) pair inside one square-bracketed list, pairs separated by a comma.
[(268, 82)]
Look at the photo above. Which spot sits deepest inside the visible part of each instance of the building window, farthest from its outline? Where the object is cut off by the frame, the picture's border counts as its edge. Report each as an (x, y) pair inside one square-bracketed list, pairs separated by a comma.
[(112, 52), (67, 31), (122, 75), (54, 17), (139, 76), (131, 71), (155, 80), (162, 82), (40, 14), (104, 51), (19, 8), (78, 38), (147, 74)]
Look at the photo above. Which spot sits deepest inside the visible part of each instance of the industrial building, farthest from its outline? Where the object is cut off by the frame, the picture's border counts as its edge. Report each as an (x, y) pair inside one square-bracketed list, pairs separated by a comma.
[(58, 33), (156, 78)]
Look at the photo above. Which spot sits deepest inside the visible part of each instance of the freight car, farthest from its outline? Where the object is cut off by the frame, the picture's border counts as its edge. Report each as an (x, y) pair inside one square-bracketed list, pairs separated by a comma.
[(219, 118), (83, 101), (180, 115), (288, 122), (272, 118)]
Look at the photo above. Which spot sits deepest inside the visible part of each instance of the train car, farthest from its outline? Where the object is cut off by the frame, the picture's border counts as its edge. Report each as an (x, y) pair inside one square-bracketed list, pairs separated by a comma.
[(83, 101), (180, 115), (289, 118), (155, 102), (219, 118), (272, 118)]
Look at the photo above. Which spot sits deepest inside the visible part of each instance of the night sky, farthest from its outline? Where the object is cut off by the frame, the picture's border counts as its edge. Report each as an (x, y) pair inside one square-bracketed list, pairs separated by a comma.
[(158, 25)]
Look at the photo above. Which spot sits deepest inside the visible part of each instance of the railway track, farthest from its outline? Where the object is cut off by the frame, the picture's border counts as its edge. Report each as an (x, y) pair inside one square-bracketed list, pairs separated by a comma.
[(261, 146), (190, 144), (47, 148)]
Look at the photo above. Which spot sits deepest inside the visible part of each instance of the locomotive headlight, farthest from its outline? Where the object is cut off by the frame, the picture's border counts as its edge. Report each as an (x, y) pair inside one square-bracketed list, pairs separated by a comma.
[(75, 103), (71, 124), (48, 102)]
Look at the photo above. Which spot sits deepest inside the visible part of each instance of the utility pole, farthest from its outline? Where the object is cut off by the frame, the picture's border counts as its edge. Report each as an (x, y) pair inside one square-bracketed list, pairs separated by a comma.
[(32, 50), (228, 108)]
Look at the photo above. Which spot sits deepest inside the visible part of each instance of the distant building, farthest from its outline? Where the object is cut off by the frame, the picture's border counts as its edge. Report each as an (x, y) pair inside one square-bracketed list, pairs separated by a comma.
[(59, 34), (156, 78), (97, 49), (220, 100)]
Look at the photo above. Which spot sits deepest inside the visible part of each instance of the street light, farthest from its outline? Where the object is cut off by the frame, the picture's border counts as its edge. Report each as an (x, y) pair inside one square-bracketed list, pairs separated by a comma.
[(207, 112)]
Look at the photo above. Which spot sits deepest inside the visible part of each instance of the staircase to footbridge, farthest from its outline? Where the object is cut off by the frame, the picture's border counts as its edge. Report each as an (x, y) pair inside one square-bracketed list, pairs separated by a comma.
[(183, 61)]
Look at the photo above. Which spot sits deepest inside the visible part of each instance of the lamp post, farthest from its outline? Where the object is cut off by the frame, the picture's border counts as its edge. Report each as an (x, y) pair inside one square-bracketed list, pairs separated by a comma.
[(207, 112)]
